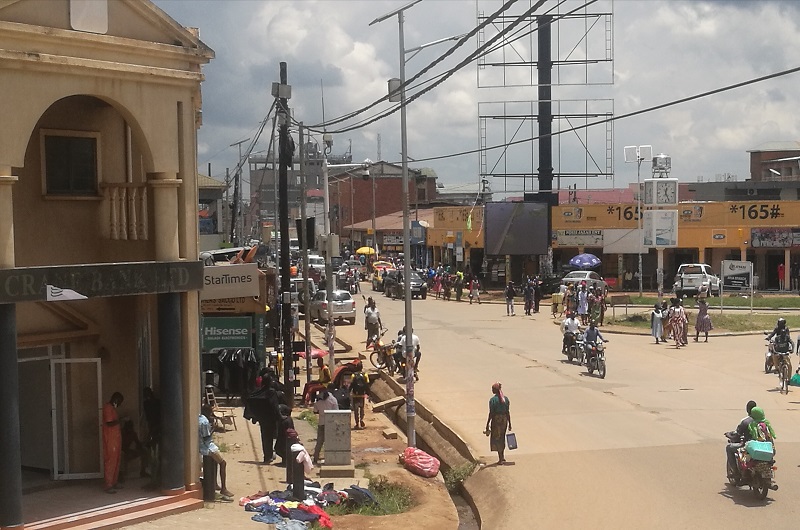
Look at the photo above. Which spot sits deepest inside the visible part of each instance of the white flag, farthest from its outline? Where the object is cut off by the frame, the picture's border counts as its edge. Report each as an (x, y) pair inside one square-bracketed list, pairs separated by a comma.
[(56, 294)]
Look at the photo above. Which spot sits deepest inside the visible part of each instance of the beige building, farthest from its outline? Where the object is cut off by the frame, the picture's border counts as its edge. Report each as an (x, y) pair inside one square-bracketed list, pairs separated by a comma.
[(99, 275)]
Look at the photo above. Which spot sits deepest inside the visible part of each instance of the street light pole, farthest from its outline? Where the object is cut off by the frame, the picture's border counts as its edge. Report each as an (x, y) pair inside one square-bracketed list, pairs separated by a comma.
[(639, 153), (411, 412), (330, 328)]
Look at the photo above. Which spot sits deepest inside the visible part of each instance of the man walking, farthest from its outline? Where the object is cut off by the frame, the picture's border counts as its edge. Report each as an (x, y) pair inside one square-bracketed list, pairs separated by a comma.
[(372, 320), (510, 294)]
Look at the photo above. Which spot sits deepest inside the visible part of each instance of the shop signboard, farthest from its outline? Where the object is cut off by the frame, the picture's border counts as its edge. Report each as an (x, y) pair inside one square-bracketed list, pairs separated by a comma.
[(579, 238), (736, 274), (227, 332), (230, 281)]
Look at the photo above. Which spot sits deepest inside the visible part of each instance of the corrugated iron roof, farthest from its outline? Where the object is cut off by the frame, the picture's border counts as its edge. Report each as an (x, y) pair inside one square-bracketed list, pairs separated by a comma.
[(393, 221), (204, 181)]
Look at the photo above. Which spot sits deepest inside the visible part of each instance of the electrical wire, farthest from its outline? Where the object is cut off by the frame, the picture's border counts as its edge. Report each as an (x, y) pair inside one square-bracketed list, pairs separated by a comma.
[(623, 116), (470, 58), (350, 115)]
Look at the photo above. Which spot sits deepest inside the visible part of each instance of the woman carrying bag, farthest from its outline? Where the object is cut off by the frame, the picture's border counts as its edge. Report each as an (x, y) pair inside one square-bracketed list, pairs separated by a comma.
[(498, 422)]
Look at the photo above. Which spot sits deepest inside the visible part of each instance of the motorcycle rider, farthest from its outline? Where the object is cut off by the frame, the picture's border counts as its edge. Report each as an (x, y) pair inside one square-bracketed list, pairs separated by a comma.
[(783, 340), (592, 334), (743, 433), (401, 350), (569, 327)]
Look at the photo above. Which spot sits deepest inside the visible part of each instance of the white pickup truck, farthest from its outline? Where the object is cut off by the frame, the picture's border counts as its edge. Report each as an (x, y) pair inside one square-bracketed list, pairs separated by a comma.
[(691, 276)]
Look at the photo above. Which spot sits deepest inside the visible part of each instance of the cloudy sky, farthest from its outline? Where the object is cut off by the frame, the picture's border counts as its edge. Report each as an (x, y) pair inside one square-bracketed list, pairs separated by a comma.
[(662, 51)]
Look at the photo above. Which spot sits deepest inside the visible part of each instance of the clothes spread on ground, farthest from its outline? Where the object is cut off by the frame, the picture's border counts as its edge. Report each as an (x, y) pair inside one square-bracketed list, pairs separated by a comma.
[(280, 507)]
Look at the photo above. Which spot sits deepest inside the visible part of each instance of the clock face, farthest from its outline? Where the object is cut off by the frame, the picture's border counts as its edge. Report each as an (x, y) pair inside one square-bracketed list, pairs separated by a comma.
[(666, 192)]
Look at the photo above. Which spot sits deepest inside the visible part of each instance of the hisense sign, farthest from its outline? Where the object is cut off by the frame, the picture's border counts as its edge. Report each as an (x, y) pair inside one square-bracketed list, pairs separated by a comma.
[(227, 332)]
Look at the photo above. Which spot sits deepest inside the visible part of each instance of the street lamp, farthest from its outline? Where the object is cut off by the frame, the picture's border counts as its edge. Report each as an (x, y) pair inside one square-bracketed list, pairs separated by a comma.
[(397, 92), (639, 153), (411, 412)]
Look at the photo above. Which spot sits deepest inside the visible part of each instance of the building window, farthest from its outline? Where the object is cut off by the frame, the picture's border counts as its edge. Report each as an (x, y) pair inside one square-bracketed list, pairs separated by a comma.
[(70, 162)]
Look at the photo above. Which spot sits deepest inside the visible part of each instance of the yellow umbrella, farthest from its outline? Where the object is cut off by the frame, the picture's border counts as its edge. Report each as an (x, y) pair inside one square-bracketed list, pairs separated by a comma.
[(366, 250)]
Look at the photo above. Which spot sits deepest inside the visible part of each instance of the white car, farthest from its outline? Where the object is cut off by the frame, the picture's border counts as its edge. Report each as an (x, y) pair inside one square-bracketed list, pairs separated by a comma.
[(344, 307), (591, 278)]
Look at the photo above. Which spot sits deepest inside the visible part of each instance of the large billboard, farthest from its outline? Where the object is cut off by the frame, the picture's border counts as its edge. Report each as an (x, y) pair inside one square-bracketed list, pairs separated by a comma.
[(516, 228)]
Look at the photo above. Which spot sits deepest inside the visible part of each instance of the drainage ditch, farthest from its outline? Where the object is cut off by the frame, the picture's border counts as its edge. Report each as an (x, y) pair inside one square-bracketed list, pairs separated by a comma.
[(434, 438)]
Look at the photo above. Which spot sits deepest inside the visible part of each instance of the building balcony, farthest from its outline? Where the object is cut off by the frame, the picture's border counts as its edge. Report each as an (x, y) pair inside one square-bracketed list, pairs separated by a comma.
[(125, 211)]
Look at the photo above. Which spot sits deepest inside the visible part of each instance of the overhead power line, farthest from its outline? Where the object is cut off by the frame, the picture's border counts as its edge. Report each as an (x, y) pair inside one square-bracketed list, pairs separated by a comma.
[(623, 116)]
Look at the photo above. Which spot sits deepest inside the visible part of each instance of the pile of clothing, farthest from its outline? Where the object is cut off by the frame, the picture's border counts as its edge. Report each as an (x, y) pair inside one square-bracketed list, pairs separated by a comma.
[(283, 510)]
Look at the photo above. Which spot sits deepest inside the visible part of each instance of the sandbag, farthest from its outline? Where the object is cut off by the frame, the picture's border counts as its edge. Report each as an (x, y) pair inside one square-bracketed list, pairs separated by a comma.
[(419, 462)]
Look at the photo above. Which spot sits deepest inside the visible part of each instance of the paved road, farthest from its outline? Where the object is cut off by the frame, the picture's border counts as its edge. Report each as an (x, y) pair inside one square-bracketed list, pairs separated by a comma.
[(642, 448)]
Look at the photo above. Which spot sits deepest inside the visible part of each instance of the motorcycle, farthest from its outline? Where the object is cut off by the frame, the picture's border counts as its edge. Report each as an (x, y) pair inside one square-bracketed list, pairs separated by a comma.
[(782, 349), (757, 474), (400, 359), (575, 347), (381, 356), (596, 358)]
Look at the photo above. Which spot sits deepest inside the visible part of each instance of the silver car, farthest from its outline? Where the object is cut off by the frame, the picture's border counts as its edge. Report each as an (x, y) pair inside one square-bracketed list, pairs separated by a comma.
[(343, 307), (591, 278)]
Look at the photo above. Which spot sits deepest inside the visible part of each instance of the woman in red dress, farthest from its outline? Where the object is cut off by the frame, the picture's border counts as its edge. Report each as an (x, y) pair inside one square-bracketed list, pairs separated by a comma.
[(112, 442)]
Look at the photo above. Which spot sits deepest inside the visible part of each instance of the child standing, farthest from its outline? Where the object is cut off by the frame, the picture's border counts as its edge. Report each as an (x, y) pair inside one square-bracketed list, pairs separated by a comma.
[(656, 328)]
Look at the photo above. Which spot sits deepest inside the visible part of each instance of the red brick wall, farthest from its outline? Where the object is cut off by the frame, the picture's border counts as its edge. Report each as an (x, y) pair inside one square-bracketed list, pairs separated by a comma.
[(388, 197)]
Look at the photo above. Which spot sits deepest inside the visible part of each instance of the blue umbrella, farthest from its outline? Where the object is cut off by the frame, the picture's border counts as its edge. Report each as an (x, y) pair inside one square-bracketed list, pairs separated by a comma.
[(585, 261)]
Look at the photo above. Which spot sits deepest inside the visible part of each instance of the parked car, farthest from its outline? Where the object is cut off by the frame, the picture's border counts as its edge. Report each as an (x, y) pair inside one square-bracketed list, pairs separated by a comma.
[(591, 278), (550, 284), (419, 288), (343, 307), (691, 276)]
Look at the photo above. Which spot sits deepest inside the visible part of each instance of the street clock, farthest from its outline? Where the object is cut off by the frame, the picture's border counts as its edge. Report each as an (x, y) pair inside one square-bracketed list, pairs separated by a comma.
[(661, 192)]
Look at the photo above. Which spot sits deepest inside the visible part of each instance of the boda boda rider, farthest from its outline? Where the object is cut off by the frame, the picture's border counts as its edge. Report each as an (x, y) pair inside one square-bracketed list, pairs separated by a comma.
[(783, 340), (569, 327), (592, 334), (743, 432)]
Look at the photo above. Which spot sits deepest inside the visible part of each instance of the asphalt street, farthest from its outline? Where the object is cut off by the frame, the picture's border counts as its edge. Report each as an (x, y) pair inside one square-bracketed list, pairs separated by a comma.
[(643, 448)]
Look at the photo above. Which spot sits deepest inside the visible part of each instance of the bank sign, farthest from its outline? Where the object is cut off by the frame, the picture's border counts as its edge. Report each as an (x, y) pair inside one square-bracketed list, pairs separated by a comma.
[(227, 332)]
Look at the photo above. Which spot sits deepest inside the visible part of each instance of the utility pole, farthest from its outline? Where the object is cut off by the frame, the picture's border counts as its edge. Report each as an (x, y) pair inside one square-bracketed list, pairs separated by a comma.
[(282, 91), (237, 197), (304, 243), (226, 211)]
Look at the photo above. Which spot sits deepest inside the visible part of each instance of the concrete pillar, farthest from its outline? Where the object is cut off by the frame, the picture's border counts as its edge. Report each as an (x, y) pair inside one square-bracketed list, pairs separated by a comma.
[(165, 215), (6, 218), (173, 418), (787, 262), (11, 463), (191, 386), (742, 253)]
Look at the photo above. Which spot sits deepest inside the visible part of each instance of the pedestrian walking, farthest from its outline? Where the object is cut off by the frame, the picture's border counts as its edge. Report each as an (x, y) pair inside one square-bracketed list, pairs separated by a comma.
[(781, 271), (510, 293), (498, 422), (665, 334), (677, 321), (358, 396), (537, 294), (656, 329), (527, 294), (583, 304), (703, 323), (474, 290), (372, 320), (794, 272)]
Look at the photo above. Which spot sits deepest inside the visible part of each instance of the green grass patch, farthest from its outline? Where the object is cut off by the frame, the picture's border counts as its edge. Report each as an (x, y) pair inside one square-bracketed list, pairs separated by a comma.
[(223, 447), (310, 417), (734, 322), (392, 498), (455, 476), (364, 466), (759, 301)]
